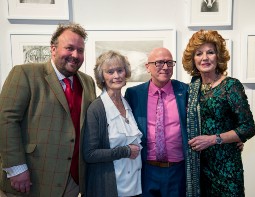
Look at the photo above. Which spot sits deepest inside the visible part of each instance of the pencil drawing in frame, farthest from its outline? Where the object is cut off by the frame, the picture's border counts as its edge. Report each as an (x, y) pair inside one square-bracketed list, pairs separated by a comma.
[(209, 13), (248, 57), (230, 62), (134, 44), (30, 48), (38, 9)]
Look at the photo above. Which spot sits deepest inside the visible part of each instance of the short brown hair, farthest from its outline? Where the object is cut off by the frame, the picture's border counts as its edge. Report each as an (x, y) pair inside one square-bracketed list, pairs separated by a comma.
[(199, 38), (74, 27), (110, 57)]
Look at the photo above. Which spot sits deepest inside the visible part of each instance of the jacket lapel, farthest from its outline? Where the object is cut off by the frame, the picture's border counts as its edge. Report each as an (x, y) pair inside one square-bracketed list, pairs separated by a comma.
[(143, 101), (55, 86), (181, 99)]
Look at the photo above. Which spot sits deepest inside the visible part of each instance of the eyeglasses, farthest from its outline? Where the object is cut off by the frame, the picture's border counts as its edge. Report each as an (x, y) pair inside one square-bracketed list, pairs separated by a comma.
[(160, 63)]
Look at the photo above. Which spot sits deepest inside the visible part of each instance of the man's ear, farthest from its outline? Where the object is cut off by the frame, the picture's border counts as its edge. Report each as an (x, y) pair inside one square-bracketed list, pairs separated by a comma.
[(147, 68), (53, 49)]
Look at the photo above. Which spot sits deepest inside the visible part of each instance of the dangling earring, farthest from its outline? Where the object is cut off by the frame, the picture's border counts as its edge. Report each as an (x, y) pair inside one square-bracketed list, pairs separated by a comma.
[(225, 73)]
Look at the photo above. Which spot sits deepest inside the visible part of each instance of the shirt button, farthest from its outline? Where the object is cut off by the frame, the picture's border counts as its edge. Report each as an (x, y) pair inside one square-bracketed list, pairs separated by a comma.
[(128, 172)]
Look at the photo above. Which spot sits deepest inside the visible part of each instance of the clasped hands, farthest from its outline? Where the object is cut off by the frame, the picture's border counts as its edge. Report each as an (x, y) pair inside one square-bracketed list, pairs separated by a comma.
[(135, 149)]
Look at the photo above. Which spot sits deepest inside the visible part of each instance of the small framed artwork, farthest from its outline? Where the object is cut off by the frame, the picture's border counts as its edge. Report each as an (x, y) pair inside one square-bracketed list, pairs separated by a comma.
[(251, 99), (248, 58), (30, 48), (134, 44), (209, 13), (38, 9), (229, 48)]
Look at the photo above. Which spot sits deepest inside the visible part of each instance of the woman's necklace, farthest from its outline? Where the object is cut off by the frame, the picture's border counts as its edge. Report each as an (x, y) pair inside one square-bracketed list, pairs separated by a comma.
[(121, 108), (205, 87), (126, 120)]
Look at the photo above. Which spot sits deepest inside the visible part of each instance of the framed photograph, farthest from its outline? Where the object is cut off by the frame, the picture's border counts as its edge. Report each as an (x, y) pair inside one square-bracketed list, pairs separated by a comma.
[(38, 9), (251, 99), (30, 48), (229, 47), (248, 51), (134, 44), (209, 13)]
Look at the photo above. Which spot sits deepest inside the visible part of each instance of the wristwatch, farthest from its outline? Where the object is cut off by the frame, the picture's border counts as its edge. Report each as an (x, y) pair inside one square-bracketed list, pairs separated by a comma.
[(218, 139)]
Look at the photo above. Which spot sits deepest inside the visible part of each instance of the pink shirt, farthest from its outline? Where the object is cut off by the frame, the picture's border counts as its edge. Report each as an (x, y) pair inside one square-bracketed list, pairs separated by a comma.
[(172, 123)]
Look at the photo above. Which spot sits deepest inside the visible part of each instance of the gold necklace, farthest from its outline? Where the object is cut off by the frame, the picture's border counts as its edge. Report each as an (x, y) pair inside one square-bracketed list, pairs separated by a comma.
[(205, 87)]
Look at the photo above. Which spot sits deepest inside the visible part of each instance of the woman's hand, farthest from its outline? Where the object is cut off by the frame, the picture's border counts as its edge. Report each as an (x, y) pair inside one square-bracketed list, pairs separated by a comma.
[(202, 142), (135, 149)]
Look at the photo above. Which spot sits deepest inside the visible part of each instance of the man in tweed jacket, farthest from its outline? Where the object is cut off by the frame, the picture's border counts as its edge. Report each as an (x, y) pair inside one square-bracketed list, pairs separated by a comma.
[(37, 134)]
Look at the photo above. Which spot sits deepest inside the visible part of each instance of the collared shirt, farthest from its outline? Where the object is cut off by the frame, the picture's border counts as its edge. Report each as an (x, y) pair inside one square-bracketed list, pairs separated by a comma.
[(172, 126), (61, 76), (121, 133)]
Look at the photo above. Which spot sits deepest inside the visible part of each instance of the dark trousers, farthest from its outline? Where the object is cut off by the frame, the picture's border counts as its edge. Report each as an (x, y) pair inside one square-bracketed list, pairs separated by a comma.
[(164, 181)]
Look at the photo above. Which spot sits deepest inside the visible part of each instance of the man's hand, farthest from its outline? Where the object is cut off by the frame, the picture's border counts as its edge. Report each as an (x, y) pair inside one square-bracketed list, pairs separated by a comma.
[(21, 182), (240, 145)]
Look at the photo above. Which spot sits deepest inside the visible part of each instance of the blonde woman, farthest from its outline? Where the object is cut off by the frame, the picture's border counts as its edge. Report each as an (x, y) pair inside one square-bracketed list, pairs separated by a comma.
[(112, 138)]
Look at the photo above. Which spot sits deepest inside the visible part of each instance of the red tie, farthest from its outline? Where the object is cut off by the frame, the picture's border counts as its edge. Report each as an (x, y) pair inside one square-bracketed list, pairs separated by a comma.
[(68, 92), (161, 153)]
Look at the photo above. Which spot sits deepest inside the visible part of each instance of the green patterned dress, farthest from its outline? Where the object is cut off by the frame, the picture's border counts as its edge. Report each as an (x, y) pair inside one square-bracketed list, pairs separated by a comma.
[(222, 109)]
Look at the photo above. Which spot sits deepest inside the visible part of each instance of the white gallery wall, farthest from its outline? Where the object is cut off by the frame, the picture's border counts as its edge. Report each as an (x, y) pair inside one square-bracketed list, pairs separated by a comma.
[(150, 15)]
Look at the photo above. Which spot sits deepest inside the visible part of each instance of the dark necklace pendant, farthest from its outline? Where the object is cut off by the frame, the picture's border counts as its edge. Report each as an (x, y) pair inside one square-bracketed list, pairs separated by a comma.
[(126, 120)]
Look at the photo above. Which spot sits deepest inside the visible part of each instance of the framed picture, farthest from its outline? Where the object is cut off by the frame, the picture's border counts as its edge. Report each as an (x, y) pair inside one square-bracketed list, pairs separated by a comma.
[(248, 58), (251, 99), (229, 47), (30, 48), (209, 13), (134, 44), (38, 9)]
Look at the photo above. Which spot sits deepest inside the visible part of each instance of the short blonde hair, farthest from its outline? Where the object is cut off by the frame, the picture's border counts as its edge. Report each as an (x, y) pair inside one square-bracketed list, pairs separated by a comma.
[(110, 57), (199, 38)]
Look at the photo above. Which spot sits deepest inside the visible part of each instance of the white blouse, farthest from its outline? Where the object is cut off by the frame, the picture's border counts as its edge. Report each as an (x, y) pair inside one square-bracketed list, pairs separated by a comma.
[(121, 133)]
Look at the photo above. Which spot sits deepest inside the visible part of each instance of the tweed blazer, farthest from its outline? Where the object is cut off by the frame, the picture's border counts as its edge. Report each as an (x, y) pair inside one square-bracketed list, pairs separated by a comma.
[(36, 128)]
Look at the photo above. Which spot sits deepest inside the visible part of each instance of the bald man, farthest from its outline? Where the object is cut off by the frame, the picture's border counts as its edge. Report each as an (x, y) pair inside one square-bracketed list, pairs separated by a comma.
[(161, 176)]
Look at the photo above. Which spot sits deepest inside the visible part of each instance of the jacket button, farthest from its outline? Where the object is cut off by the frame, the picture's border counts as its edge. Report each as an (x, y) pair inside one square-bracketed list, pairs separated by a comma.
[(69, 158), (72, 140)]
